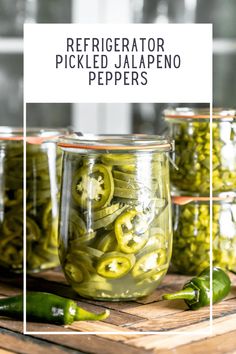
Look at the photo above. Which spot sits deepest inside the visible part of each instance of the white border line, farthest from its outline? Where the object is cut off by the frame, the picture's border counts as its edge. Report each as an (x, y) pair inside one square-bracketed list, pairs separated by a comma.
[(170, 332), (24, 192), (211, 238), (24, 222), (211, 192)]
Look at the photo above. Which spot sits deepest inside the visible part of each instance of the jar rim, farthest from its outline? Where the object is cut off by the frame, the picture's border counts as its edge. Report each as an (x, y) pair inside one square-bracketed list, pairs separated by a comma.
[(225, 114), (33, 135), (116, 142)]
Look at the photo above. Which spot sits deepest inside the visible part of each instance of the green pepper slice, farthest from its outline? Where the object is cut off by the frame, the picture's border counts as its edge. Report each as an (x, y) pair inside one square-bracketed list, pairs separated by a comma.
[(17, 198), (125, 163), (93, 186), (128, 177), (126, 193), (47, 215), (99, 214), (107, 220), (78, 257), (149, 264), (131, 230), (119, 183), (78, 232), (94, 284), (115, 265), (118, 159), (155, 277), (76, 272), (77, 227)]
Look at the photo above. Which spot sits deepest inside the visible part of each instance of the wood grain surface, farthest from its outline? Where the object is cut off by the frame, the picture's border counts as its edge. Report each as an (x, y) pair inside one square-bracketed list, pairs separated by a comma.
[(181, 330)]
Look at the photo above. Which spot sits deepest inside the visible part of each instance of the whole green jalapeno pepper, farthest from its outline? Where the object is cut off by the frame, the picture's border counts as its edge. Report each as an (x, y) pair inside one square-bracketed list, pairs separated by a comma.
[(149, 264), (47, 308), (196, 292)]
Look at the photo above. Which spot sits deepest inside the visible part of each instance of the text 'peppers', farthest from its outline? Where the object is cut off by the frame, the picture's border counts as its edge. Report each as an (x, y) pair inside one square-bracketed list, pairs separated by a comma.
[(49, 308)]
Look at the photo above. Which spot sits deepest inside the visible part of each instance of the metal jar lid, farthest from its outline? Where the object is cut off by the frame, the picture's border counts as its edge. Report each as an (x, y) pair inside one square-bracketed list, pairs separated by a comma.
[(127, 142)]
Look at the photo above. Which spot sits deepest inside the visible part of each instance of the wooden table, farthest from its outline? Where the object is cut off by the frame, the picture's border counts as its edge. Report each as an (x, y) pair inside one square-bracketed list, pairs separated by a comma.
[(147, 314)]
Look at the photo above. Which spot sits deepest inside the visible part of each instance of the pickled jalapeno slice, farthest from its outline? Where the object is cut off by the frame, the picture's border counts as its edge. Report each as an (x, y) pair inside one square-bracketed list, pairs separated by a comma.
[(191, 243), (13, 223), (123, 176), (124, 163), (41, 205), (115, 265), (99, 214), (77, 227), (80, 258), (114, 198), (131, 230), (107, 220), (118, 159), (149, 264), (108, 243), (15, 199), (32, 230), (93, 185)]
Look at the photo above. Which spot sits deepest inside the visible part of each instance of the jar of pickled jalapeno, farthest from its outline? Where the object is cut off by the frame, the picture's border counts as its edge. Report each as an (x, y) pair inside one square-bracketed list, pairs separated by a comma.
[(190, 128), (191, 233), (43, 169), (115, 230)]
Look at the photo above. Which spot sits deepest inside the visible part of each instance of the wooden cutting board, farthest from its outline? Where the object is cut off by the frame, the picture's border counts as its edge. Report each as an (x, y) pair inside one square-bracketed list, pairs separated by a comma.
[(181, 330)]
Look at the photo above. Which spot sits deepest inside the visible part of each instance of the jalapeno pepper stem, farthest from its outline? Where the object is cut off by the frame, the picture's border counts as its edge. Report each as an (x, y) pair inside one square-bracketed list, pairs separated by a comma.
[(82, 314), (185, 294)]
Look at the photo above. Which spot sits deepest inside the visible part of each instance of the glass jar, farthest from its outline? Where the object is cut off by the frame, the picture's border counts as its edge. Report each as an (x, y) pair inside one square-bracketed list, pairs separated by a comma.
[(115, 232), (43, 169), (191, 240), (190, 128)]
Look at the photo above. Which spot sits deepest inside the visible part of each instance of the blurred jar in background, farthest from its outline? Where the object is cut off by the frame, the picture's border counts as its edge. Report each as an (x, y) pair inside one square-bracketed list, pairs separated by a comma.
[(190, 128), (222, 14), (13, 14), (43, 170), (11, 97)]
